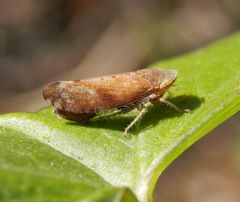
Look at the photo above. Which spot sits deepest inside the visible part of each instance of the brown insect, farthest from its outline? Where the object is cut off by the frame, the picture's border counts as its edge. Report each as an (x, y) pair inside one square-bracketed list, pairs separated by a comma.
[(81, 100)]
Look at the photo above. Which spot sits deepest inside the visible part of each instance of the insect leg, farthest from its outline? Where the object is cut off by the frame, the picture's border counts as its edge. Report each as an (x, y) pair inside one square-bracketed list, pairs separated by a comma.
[(143, 111), (122, 111), (173, 106)]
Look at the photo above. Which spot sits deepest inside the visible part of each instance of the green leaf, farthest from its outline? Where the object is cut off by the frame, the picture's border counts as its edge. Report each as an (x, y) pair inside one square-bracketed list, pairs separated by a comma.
[(43, 157)]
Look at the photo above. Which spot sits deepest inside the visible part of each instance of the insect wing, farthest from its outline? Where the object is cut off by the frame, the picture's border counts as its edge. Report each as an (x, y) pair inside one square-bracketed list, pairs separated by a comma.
[(97, 94)]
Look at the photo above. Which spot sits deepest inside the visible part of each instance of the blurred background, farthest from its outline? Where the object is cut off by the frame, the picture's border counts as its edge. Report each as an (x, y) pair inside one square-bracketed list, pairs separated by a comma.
[(43, 41)]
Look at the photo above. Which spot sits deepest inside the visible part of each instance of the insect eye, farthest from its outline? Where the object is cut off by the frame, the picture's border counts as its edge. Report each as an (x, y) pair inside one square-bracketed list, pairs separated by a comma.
[(165, 83)]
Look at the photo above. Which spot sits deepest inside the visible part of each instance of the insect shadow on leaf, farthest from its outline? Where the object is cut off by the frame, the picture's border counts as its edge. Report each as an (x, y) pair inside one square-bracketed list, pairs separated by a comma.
[(155, 114), (160, 112)]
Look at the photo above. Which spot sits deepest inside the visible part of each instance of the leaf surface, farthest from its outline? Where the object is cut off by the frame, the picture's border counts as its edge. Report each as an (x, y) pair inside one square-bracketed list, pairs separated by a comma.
[(43, 157)]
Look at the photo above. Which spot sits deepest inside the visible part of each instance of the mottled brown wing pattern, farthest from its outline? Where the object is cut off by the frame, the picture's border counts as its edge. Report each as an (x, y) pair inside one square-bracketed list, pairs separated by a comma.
[(98, 94)]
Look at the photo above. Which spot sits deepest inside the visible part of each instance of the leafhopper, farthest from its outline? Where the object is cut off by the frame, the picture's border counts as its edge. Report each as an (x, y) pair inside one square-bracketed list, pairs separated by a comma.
[(81, 100)]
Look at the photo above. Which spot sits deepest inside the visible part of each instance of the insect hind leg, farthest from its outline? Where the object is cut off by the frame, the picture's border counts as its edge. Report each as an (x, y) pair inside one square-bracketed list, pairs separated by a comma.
[(143, 110)]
